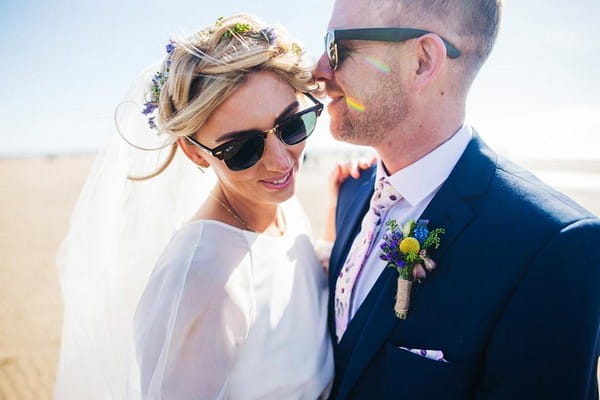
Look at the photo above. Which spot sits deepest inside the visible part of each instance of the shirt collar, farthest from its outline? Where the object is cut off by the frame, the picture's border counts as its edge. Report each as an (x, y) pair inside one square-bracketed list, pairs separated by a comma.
[(418, 180)]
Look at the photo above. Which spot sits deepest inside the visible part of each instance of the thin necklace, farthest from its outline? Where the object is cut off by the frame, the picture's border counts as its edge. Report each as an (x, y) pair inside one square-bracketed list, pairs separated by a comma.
[(234, 214), (227, 206), (283, 223)]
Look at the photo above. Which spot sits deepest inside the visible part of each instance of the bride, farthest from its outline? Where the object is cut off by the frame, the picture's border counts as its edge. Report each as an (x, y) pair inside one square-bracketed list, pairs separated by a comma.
[(233, 304)]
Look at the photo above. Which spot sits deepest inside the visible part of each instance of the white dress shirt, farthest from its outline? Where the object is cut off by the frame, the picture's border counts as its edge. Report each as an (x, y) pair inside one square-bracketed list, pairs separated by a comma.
[(417, 183)]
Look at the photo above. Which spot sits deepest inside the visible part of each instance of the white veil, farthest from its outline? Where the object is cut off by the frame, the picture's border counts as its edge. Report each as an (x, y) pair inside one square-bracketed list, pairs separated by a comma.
[(116, 233)]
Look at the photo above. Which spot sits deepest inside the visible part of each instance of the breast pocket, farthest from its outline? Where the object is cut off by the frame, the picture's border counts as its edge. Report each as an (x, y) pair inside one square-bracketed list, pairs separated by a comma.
[(418, 377)]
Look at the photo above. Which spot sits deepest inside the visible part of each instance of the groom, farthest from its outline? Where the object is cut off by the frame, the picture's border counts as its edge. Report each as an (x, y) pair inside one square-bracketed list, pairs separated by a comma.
[(512, 310)]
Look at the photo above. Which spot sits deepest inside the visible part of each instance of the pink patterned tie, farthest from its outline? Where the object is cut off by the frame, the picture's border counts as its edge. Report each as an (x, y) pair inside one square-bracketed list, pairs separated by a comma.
[(383, 198)]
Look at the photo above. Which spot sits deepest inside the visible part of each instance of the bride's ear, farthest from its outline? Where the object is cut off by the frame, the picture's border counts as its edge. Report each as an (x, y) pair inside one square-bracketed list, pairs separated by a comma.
[(192, 152)]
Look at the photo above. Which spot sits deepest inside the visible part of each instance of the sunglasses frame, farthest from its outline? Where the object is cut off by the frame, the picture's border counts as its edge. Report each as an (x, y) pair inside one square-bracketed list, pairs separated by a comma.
[(219, 151), (377, 35)]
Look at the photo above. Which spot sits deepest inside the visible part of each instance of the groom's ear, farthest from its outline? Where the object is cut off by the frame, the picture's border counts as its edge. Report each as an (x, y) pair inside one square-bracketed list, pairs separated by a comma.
[(431, 55), (192, 152)]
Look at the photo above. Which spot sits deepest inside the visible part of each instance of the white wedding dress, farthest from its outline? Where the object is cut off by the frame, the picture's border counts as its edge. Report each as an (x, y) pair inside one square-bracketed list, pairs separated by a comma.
[(232, 314), (207, 312)]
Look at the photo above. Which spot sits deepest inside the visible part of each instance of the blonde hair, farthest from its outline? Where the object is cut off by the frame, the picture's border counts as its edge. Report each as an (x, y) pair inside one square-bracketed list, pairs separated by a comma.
[(205, 68)]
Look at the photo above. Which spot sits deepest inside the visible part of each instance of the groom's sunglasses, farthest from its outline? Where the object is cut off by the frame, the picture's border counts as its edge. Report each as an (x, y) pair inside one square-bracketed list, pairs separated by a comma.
[(247, 148), (376, 35)]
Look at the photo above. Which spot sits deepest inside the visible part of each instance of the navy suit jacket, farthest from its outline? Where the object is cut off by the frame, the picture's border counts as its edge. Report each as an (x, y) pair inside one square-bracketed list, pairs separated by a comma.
[(514, 303)]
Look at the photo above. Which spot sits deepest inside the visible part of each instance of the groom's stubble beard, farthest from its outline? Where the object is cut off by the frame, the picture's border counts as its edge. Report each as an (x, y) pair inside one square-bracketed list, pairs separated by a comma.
[(385, 109)]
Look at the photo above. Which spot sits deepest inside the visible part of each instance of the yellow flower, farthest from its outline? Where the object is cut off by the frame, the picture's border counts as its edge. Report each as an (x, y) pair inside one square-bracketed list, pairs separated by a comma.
[(409, 245)]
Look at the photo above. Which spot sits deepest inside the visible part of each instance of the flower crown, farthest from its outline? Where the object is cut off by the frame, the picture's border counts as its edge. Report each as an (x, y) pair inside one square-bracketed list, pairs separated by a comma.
[(158, 80)]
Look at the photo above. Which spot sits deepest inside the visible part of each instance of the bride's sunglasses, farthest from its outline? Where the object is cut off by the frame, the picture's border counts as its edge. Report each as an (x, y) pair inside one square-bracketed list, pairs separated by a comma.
[(247, 148)]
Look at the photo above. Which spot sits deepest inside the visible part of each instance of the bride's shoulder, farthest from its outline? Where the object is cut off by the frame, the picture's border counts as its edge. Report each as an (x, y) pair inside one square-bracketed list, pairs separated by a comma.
[(204, 269), (204, 246)]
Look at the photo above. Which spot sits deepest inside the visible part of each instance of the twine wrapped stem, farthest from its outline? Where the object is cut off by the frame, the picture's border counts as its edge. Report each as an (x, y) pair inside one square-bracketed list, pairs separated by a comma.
[(402, 298)]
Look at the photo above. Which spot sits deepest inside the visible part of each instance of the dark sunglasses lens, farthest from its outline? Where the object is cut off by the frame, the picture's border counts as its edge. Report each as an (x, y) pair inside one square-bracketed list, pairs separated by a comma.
[(298, 128), (245, 153)]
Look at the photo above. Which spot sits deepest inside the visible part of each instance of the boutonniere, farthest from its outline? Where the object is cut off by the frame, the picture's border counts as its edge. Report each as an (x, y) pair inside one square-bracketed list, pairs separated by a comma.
[(406, 249)]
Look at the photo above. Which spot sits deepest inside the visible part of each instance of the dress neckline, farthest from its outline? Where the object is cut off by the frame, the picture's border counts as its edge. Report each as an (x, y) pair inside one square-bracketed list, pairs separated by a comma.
[(235, 228)]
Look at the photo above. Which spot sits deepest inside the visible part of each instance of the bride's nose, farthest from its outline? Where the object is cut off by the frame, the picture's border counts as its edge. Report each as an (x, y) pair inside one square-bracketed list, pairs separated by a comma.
[(277, 156)]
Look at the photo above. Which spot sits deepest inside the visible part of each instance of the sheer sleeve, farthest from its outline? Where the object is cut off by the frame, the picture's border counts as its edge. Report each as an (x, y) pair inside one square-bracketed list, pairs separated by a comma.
[(322, 247), (195, 312)]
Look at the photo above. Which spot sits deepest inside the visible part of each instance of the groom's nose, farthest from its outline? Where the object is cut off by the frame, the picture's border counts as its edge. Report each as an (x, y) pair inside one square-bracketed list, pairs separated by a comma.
[(323, 72)]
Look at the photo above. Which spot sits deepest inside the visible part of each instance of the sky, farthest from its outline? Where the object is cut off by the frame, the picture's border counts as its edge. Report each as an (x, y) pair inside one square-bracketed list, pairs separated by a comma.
[(67, 64)]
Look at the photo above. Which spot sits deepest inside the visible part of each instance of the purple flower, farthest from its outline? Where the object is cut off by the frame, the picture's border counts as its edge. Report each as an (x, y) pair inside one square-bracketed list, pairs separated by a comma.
[(269, 34), (149, 108), (156, 78), (170, 47), (390, 247), (151, 123)]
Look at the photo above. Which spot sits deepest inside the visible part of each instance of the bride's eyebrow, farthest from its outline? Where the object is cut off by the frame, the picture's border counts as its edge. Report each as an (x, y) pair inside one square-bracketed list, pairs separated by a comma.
[(285, 113)]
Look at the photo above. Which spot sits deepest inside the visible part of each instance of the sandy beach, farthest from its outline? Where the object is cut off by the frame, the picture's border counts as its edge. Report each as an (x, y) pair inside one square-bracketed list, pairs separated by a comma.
[(37, 198)]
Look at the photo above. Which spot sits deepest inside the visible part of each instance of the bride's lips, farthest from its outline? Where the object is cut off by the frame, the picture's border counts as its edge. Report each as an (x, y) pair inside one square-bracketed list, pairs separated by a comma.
[(279, 182)]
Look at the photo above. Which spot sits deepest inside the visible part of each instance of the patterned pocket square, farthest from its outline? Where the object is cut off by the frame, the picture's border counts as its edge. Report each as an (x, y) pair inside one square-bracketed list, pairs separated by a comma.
[(435, 355)]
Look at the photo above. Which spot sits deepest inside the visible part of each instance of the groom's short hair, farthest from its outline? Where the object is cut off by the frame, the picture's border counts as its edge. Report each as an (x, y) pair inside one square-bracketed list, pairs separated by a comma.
[(471, 25)]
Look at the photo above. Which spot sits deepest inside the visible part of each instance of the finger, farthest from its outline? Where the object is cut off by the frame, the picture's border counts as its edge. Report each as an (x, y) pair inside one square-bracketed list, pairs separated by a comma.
[(344, 172), (354, 169), (363, 163), (368, 162), (335, 173)]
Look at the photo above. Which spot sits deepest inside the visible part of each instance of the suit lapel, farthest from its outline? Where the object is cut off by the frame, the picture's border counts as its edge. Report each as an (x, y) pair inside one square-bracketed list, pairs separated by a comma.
[(449, 209), (349, 221), (351, 217)]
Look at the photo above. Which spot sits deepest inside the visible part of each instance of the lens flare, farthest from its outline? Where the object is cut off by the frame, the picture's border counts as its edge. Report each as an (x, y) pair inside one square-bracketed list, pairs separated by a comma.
[(378, 64), (354, 104)]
